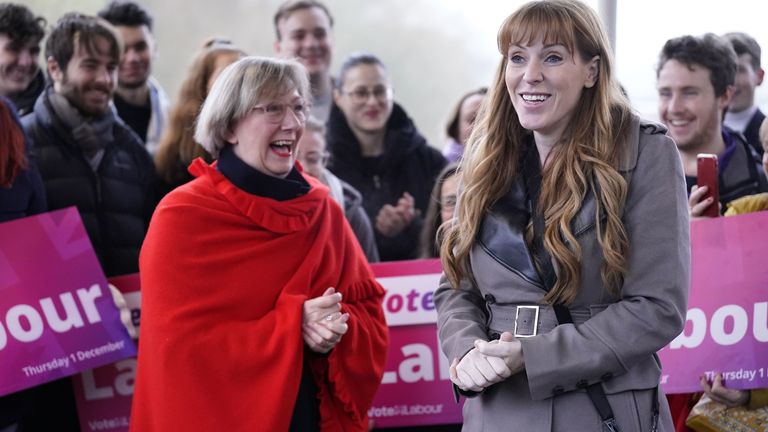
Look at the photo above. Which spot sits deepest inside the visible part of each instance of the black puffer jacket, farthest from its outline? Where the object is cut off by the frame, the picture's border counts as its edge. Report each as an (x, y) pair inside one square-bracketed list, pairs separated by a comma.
[(115, 201), (408, 164)]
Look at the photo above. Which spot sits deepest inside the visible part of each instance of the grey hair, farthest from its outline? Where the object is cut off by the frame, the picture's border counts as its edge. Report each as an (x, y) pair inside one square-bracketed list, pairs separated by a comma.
[(241, 86)]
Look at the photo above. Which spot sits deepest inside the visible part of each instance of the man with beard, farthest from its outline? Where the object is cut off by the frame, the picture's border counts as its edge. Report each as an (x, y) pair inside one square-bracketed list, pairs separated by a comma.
[(87, 156), (743, 115), (139, 99), (304, 33), (21, 79), (695, 78), (90, 159)]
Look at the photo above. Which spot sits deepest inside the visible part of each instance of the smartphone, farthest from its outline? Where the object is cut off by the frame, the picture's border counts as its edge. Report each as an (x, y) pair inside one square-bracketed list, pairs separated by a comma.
[(706, 175)]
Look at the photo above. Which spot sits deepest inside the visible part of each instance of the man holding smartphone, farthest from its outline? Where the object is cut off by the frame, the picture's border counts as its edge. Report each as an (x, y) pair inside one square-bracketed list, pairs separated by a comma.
[(695, 81)]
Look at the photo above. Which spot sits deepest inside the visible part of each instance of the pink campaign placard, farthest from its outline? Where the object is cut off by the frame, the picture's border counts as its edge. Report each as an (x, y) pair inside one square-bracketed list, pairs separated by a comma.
[(104, 394), (727, 321), (57, 316), (416, 388)]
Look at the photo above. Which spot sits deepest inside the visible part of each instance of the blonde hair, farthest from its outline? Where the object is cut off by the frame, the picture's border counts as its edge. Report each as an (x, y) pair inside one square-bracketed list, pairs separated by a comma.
[(763, 134), (585, 160), (240, 87)]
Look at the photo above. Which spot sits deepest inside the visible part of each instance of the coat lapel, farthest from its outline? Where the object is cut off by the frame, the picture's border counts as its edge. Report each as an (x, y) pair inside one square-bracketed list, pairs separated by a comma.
[(502, 234)]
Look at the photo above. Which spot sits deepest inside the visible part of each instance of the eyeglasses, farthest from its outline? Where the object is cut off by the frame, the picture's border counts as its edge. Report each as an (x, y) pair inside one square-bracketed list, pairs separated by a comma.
[(275, 112), (360, 95)]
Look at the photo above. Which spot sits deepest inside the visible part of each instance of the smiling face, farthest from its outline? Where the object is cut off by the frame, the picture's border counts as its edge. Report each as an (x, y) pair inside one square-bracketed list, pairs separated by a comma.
[(545, 83), (138, 53), (688, 105), (266, 145), (89, 79), (365, 98), (305, 35), (747, 79), (18, 64)]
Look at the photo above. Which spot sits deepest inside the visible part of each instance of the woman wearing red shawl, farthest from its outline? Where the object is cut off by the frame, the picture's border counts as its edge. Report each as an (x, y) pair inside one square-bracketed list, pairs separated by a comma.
[(240, 330)]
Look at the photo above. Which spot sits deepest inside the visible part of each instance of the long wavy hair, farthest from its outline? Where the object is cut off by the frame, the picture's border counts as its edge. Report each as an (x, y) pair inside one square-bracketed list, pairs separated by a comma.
[(178, 148), (12, 152), (585, 160)]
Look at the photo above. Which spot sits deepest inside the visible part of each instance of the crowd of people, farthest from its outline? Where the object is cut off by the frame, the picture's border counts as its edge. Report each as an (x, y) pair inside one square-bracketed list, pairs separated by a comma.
[(253, 204)]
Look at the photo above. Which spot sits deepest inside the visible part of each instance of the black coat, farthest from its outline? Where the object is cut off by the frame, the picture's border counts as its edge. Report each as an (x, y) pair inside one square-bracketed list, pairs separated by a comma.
[(751, 133), (26, 196), (115, 201), (408, 164)]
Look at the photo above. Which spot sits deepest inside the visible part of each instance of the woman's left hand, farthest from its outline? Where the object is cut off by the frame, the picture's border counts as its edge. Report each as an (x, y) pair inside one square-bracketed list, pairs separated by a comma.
[(476, 372), (507, 348), (322, 336)]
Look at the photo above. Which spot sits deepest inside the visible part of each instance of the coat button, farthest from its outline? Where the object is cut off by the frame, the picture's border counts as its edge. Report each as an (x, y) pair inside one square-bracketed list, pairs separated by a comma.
[(558, 390), (490, 299), (606, 376), (495, 336)]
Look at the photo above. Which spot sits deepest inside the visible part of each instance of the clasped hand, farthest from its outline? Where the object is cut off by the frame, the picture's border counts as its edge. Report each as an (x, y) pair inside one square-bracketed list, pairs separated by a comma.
[(323, 324), (488, 363), (392, 220)]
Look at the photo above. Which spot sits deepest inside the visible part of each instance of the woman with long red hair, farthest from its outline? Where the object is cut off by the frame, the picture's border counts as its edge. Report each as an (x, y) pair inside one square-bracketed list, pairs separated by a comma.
[(21, 188)]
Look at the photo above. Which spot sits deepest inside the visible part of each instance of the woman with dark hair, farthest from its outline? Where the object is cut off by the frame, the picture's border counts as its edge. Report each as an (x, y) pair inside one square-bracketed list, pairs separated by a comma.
[(440, 210), (21, 194), (259, 310), (177, 148), (462, 122), (376, 148), (568, 264)]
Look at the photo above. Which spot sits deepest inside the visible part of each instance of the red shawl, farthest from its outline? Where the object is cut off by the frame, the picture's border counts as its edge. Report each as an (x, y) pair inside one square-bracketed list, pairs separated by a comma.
[(224, 275)]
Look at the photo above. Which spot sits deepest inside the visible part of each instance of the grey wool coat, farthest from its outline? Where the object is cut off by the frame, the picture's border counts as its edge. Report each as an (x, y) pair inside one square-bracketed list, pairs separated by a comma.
[(612, 340)]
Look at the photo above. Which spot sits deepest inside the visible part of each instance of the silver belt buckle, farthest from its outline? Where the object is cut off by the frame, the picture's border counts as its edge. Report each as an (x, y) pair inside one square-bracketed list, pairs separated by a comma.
[(530, 316)]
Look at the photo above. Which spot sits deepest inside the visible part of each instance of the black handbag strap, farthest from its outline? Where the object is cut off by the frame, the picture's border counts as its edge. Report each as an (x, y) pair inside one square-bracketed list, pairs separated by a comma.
[(532, 175)]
